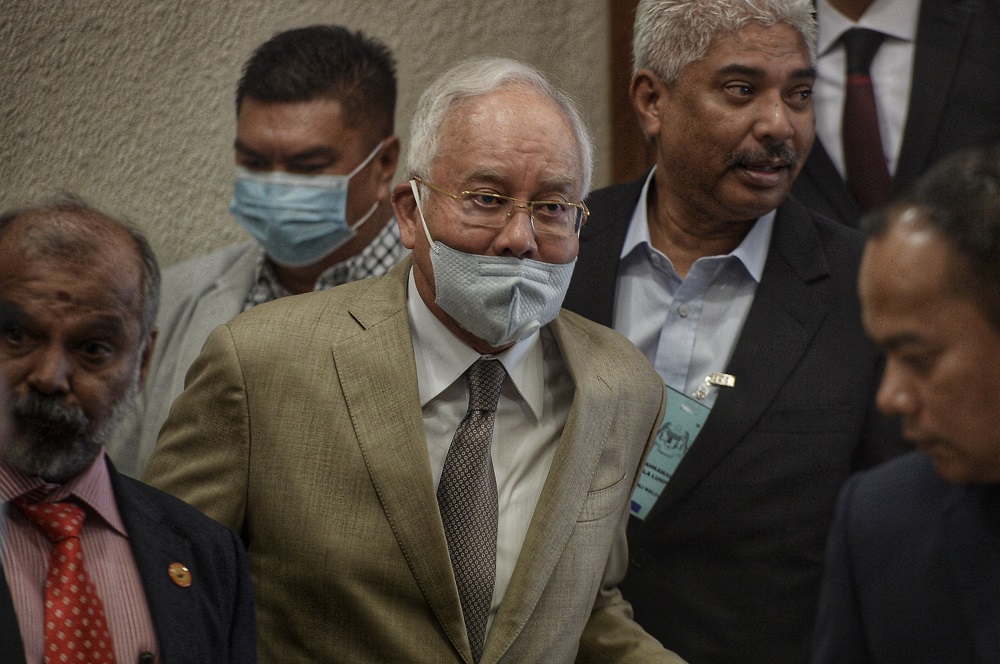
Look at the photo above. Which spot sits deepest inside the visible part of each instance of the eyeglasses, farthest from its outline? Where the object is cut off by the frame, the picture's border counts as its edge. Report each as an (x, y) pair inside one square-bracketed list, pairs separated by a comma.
[(484, 208)]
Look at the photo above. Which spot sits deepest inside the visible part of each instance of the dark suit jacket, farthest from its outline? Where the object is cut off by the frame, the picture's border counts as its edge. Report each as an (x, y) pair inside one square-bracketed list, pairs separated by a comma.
[(954, 103), (726, 568), (913, 570), (212, 620)]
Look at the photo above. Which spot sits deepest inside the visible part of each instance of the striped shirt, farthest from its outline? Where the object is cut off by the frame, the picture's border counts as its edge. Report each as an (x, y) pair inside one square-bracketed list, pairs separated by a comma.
[(107, 555)]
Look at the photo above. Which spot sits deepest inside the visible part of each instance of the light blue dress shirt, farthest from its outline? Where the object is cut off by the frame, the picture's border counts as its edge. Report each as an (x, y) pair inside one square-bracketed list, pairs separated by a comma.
[(687, 328)]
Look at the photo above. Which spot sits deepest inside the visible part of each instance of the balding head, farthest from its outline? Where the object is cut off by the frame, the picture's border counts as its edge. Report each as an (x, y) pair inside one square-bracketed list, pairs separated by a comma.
[(72, 230), (85, 287)]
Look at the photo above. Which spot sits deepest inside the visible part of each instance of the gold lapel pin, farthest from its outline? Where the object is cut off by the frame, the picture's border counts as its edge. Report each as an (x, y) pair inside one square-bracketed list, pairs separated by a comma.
[(179, 574)]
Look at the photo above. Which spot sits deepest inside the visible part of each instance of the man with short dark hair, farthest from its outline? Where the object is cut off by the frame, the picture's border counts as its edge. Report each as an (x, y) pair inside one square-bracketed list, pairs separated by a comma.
[(913, 561), (745, 304), (315, 158), (97, 567)]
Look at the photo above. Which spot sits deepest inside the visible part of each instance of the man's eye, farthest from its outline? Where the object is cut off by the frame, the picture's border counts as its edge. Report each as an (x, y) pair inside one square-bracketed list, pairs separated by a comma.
[(306, 169), (551, 208), (485, 199), (739, 89), (14, 336), (921, 362), (95, 351)]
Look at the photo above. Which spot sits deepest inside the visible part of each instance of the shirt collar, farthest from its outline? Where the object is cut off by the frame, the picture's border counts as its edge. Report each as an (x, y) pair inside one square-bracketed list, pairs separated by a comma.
[(442, 358), (896, 18), (365, 263), (752, 251), (92, 487)]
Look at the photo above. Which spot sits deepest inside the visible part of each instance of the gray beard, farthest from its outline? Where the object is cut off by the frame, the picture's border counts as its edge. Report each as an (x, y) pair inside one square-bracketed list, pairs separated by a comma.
[(57, 442)]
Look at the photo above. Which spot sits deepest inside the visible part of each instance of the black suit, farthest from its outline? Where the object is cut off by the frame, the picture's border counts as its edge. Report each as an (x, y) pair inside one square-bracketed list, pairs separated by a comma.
[(209, 622), (954, 103), (726, 568), (913, 570)]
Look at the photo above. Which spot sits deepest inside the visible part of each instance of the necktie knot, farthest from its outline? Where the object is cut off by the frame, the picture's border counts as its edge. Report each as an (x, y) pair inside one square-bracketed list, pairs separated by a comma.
[(59, 521), (861, 45), (485, 380)]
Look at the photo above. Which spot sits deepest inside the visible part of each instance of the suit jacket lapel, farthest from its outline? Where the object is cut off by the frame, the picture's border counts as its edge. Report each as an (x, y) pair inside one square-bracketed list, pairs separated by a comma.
[(155, 547), (941, 31), (11, 646), (592, 291), (782, 321), (379, 381), (821, 176), (563, 493)]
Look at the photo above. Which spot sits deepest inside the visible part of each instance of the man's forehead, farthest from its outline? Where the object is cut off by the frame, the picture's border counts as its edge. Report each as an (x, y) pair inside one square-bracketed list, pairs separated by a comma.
[(756, 41), (103, 271)]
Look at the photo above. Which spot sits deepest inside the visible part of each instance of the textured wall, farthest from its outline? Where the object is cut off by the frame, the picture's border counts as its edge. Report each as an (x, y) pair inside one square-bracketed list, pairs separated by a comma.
[(129, 102)]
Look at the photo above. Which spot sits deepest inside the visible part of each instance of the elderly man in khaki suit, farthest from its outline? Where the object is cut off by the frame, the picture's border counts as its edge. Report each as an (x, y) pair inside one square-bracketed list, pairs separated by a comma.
[(385, 523)]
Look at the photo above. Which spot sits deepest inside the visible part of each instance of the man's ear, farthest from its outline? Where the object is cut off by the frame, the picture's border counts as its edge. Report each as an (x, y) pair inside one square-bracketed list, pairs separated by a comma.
[(387, 160), (646, 92), (405, 206), (147, 357)]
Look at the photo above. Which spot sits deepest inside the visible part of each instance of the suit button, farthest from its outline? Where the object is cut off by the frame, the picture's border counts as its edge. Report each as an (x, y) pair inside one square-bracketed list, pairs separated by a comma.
[(639, 557)]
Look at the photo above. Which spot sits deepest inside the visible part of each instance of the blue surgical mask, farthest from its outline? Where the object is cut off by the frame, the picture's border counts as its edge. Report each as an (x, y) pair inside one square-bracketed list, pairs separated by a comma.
[(298, 219), (499, 299)]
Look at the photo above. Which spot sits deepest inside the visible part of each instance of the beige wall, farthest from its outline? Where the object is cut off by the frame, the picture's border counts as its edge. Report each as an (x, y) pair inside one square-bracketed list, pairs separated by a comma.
[(129, 102)]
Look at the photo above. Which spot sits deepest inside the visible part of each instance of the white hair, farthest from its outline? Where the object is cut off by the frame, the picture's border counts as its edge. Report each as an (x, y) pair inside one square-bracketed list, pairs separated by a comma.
[(473, 78), (671, 34)]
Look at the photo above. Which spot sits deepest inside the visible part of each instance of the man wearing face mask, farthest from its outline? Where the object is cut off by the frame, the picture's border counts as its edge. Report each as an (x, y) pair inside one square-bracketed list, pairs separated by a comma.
[(434, 465), (315, 158)]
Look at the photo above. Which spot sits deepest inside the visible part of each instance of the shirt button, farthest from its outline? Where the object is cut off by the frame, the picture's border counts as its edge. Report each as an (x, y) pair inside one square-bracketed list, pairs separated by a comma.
[(683, 310)]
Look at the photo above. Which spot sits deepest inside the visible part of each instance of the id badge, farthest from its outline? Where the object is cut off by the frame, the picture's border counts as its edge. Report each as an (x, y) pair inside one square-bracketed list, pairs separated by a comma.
[(681, 425)]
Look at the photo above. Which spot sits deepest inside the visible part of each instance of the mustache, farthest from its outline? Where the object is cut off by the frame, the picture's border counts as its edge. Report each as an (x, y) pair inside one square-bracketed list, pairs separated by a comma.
[(778, 151), (48, 415)]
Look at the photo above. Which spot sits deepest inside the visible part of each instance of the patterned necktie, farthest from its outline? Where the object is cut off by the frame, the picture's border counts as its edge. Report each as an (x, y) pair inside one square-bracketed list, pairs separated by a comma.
[(76, 629), (467, 498), (864, 158)]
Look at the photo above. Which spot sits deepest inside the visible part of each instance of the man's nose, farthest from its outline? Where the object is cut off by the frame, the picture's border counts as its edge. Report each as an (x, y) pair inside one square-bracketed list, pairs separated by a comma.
[(895, 395), (517, 237), (51, 371)]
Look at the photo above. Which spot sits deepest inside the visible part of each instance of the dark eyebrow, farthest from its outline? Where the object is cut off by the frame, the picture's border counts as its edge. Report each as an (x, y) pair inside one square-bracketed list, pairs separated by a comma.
[(754, 72), (109, 325), (305, 155), (899, 340)]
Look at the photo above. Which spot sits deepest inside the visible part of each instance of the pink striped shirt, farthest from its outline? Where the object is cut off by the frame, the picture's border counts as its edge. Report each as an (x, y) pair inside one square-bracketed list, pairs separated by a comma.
[(106, 553)]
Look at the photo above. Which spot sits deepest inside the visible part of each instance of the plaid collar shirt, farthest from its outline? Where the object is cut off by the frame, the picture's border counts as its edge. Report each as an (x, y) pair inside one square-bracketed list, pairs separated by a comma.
[(376, 259)]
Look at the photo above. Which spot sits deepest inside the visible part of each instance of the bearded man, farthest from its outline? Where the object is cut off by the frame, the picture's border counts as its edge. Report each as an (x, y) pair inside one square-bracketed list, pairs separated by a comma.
[(97, 567)]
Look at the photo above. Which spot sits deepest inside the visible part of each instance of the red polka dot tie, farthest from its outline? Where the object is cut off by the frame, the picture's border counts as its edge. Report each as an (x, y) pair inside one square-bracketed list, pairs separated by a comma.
[(76, 630)]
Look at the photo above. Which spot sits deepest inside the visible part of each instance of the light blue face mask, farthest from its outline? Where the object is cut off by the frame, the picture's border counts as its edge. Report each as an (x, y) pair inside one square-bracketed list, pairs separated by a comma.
[(298, 219), (499, 299)]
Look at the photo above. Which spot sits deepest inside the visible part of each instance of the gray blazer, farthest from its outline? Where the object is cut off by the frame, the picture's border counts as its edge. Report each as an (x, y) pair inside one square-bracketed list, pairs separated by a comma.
[(196, 296)]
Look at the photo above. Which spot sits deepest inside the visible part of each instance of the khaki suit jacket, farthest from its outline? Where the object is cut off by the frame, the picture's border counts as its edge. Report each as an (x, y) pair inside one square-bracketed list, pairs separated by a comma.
[(301, 428)]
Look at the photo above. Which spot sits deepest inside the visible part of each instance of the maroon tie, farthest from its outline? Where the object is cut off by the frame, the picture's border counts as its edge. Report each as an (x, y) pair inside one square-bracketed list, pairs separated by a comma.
[(76, 629), (864, 159)]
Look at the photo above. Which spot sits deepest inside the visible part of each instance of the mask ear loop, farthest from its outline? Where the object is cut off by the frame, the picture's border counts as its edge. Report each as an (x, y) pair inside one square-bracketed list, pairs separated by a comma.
[(371, 155), (416, 196), (365, 217)]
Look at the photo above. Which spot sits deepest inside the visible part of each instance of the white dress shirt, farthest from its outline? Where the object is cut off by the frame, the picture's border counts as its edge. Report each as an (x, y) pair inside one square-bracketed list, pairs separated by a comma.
[(534, 403), (891, 71)]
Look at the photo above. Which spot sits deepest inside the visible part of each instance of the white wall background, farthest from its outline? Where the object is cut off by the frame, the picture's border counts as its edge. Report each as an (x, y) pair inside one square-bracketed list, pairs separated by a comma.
[(130, 102)]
